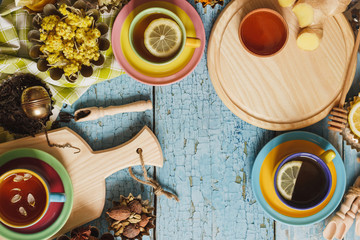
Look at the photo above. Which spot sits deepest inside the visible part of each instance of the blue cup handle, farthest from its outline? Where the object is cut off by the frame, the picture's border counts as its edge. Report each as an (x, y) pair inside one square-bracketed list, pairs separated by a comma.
[(57, 197)]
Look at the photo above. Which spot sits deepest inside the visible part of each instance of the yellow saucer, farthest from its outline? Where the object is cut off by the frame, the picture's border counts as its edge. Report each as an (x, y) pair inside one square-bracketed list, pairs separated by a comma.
[(267, 173), (152, 70)]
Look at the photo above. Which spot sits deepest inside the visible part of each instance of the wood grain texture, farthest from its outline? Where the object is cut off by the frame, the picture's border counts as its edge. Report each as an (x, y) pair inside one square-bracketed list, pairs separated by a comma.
[(290, 90), (208, 154), (111, 131), (88, 169)]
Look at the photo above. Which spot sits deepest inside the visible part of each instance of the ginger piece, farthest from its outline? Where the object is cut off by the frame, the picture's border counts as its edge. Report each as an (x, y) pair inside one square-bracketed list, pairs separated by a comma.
[(312, 14), (309, 39), (286, 3), (304, 13)]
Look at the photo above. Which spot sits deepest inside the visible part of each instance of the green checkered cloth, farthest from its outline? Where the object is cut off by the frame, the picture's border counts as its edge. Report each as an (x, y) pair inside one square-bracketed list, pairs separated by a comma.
[(14, 46), (15, 24)]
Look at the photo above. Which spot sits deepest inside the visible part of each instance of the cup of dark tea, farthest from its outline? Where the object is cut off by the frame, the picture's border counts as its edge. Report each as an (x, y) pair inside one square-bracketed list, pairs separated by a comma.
[(25, 198), (158, 36), (303, 180), (263, 32)]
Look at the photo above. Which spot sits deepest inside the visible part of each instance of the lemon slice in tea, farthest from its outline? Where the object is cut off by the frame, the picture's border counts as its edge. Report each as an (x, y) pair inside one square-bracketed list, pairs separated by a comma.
[(162, 38), (286, 178), (354, 119)]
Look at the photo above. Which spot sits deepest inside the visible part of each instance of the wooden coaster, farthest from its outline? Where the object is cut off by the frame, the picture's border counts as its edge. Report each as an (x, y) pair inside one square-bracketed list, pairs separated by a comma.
[(290, 90)]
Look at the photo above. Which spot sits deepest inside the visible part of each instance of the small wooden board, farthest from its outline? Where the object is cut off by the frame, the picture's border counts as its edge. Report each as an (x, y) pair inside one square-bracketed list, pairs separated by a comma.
[(88, 169), (290, 90)]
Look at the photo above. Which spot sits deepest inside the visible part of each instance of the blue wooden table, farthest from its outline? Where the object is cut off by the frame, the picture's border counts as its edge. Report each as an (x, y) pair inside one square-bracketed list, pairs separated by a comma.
[(208, 151)]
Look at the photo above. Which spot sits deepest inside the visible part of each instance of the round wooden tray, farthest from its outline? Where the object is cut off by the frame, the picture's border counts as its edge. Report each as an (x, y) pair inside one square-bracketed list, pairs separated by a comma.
[(290, 90)]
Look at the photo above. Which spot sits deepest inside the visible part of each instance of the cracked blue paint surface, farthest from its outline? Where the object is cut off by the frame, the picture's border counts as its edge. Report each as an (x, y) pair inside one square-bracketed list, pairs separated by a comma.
[(208, 157)]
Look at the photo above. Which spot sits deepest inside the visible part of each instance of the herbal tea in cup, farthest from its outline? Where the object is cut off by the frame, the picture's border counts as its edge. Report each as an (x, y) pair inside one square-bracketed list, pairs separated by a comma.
[(158, 36), (303, 180), (25, 198), (263, 32)]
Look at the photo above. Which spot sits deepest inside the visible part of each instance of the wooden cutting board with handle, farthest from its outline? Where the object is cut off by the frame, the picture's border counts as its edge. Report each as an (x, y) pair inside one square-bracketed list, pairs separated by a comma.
[(88, 169)]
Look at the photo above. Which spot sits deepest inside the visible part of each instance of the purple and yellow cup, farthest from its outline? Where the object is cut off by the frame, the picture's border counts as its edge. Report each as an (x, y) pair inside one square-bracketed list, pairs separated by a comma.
[(317, 191)]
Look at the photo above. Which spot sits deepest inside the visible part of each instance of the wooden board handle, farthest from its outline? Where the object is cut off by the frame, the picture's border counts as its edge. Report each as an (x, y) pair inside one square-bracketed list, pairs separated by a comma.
[(125, 155)]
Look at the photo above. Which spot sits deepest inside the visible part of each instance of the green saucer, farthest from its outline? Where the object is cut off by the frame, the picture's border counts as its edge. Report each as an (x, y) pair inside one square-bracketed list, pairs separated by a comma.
[(65, 178)]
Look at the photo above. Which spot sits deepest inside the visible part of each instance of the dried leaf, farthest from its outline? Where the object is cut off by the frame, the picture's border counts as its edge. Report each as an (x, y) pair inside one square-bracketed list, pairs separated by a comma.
[(27, 176), (22, 211), (18, 178), (16, 198), (31, 200)]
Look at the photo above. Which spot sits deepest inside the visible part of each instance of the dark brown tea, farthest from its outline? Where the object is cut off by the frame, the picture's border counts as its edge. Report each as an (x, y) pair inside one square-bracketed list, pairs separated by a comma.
[(311, 184), (138, 38), (22, 199)]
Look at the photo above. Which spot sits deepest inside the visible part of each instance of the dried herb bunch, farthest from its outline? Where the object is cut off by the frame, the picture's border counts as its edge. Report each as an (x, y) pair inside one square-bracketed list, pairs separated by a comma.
[(86, 233), (131, 218), (12, 117)]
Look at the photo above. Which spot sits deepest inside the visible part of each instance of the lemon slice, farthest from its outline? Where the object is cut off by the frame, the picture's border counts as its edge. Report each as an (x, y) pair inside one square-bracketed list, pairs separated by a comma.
[(162, 37), (286, 178), (354, 119)]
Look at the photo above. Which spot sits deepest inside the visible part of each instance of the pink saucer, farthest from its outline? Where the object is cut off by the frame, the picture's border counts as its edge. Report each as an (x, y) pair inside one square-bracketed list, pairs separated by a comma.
[(54, 182), (200, 33)]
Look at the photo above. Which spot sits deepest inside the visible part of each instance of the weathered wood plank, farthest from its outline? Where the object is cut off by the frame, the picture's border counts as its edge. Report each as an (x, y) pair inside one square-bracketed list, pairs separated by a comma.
[(209, 155), (111, 131)]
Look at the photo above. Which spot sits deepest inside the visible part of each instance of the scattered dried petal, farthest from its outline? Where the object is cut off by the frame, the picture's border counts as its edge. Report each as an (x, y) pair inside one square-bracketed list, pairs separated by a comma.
[(22, 211), (27, 176), (31, 200), (16, 198), (131, 231), (18, 178)]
